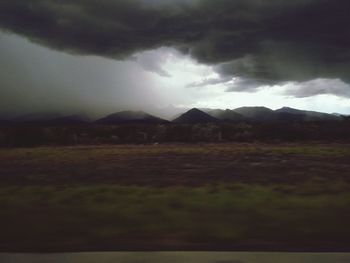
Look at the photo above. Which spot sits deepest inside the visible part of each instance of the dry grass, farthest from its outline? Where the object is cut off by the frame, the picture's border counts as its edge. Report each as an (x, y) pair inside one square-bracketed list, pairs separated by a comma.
[(235, 196)]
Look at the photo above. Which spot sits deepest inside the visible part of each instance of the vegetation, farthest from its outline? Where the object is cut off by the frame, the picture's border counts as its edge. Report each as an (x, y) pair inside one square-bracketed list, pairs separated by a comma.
[(27, 135), (267, 197), (103, 216)]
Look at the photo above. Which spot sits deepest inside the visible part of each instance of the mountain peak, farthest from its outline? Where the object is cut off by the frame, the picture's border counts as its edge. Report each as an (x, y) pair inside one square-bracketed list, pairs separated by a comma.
[(130, 117), (195, 116), (257, 113), (195, 111)]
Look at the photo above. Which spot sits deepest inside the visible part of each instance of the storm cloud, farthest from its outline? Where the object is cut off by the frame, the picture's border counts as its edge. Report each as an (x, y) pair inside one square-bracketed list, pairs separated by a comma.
[(319, 87), (35, 79), (258, 41)]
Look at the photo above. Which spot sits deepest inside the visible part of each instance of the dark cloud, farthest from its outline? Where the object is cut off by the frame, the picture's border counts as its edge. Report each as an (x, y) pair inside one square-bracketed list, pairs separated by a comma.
[(232, 84), (210, 81), (244, 85), (153, 61), (260, 41), (36, 79), (319, 87), (277, 62)]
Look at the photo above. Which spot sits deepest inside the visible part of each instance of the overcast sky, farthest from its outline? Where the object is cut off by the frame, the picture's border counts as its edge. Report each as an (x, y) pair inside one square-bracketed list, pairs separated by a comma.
[(98, 57)]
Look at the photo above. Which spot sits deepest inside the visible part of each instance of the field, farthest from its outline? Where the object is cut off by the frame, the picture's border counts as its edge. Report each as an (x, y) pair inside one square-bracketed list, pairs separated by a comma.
[(251, 196)]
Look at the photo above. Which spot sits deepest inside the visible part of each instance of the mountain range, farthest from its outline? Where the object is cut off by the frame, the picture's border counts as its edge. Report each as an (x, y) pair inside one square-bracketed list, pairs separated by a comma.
[(129, 117), (195, 116), (192, 116)]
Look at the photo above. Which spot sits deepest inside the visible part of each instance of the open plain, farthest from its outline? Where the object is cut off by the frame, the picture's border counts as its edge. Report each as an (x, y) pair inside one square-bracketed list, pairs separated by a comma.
[(236, 196)]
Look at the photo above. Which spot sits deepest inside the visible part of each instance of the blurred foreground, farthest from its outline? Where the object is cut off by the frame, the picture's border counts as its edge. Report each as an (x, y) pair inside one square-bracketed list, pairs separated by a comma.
[(257, 197), (178, 257)]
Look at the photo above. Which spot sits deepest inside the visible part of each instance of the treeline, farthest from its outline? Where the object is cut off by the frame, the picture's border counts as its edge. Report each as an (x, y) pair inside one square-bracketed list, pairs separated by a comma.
[(36, 135)]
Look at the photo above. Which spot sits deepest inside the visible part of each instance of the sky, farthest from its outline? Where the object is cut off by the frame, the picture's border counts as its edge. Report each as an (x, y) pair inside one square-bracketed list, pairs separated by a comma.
[(96, 57)]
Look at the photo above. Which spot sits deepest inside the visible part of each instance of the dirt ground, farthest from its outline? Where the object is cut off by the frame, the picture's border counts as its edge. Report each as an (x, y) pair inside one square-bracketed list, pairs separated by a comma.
[(176, 164)]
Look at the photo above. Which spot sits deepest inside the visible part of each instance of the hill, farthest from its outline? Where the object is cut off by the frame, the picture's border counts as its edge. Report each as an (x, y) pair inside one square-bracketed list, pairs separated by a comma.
[(37, 117), (260, 114), (226, 115), (68, 120), (309, 115), (127, 117), (195, 116)]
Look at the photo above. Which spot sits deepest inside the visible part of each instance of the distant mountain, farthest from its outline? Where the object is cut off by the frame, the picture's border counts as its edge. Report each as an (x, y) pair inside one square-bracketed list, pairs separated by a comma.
[(50, 119), (309, 115), (37, 117), (195, 116), (226, 115), (7, 116), (69, 120), (5, 119), (257, 113), (5, 122), (126, 117)]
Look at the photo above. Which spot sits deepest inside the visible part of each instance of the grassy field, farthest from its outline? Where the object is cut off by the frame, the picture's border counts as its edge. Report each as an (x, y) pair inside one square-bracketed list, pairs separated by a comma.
[(176, 197)]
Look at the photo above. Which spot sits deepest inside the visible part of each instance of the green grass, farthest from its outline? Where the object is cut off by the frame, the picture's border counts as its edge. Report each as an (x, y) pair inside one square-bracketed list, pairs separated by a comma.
[(77, 216), (252, 195), (86, 152)]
